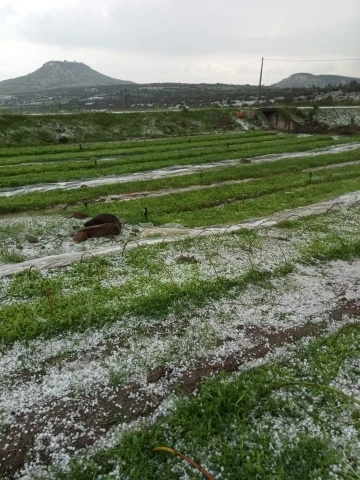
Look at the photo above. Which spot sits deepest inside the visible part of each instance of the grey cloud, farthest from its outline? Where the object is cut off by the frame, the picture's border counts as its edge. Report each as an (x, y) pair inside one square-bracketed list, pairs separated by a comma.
[(203, 27)]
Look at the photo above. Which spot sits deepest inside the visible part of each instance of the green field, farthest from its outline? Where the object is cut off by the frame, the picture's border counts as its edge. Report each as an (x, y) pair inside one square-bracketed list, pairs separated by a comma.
[(236, 344), (123, 163)]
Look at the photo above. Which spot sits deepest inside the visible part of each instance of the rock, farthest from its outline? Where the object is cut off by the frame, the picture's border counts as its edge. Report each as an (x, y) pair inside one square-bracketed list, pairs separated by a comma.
[(64, 139), (101, 219), (79, 216), (80, 237), (102, 230), (32, 239), (19, 247), (245, 160)]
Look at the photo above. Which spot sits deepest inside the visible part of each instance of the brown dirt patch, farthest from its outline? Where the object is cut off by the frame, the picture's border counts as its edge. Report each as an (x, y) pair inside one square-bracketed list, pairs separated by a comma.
[(69, 417), (268, 342), (346, 307)]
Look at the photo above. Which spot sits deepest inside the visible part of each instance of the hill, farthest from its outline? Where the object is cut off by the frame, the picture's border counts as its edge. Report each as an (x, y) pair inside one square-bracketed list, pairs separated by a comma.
[(308, 80), (58, 75)]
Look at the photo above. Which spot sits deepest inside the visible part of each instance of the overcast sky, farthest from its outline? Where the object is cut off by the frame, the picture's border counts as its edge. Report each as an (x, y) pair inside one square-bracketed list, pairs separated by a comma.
[(182, 40)]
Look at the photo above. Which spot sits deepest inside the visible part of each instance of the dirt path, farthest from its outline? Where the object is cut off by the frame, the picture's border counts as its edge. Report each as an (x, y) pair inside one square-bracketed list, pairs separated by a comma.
[(172, 171), (174, 234)]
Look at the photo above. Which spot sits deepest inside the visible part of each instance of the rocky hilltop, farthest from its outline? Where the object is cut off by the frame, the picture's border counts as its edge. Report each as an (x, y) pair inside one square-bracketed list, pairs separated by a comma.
[(56, 74), (308, 80)]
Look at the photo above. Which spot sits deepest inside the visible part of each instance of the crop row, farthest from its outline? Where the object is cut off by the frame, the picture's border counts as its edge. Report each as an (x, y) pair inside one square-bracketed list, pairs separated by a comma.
[(38, 200), (84, 156), (236, 202), (127, 145), (29, 175)]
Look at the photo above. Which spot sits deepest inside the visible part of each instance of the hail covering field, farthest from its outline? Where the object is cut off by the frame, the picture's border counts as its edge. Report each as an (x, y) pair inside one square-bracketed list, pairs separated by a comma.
[(222, 322)]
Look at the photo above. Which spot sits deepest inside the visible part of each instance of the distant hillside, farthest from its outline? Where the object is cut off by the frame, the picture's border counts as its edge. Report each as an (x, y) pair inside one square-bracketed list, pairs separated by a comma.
[(58, 75), (308, 80)]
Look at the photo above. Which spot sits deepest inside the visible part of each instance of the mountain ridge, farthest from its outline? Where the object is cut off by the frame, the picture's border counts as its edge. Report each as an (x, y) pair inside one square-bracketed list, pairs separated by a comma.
[(58, 74), (308, 80)]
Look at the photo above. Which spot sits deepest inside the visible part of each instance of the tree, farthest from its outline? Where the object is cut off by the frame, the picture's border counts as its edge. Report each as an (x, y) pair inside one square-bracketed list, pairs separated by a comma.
[(354, 86)]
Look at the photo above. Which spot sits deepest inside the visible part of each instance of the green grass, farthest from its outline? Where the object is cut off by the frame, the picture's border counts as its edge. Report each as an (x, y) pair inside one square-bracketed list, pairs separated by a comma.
[(11, 156), (37, 200), (71, 313), (229, 426), (279, 185), (135, 144), (8, 256), (27, 130), (128, 145), (235, 203), (233, 426), (151, 291), (329, 243), (32, 174)]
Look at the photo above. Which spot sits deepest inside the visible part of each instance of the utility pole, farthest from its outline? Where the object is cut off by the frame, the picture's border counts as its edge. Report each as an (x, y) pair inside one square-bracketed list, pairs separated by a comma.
[(261, 72), (126, 97)]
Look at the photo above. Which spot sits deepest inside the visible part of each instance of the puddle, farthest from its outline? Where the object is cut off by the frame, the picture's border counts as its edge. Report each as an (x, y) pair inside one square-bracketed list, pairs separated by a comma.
[(172, 171)]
